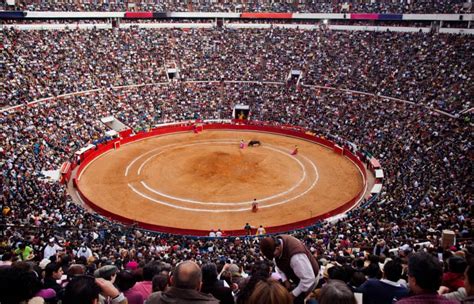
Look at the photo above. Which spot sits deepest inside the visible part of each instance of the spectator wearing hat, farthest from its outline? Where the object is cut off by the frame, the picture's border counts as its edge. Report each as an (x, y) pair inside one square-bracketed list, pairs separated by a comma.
[(235, 274), (424, 279), (84, 251), (73, 271), (107, 272), (44, 263), (294, 262), (51, 249), (132, 265)]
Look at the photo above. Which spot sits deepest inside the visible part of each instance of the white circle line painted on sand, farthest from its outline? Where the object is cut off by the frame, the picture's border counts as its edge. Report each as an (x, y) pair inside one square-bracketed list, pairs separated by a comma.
[(187, 200), (151, 151), (184, 208), (234, 210), (143, 164), (177, 146)]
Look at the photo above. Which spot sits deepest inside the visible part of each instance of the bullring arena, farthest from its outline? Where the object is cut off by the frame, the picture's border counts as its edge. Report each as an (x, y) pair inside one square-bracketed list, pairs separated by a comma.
[(181, 181), (134, 132)]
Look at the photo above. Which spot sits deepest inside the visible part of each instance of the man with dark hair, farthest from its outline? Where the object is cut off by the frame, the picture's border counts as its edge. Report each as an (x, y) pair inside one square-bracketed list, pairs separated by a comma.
[(18, 285), (85, 290), (210, 284), (387, 289), (125, 281), (186, 283), (81, 289), (160, 282), (424, 279), (53, 273), (469, 285), (145, 287), (454, 277), (248, 229), (24, 252), (7, 259), (294, 262)]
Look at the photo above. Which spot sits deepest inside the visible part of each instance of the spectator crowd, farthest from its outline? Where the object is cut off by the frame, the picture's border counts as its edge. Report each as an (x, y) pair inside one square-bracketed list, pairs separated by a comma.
[(313, 6), (433, 68), (50, 246)]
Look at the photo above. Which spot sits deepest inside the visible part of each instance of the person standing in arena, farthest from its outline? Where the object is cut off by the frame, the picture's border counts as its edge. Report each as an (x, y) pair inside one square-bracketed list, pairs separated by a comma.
[(242, 144), (261, 231), (254, 205), (294, 262), (248, 229), (295, 150)]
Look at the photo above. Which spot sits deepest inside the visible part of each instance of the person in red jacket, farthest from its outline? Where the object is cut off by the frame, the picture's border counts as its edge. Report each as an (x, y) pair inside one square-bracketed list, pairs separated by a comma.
[(454, 277)]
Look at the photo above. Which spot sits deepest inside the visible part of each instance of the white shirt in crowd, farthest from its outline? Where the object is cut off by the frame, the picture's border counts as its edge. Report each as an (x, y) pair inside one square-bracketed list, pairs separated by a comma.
[(51, 250), (303, 270), (84, 251)]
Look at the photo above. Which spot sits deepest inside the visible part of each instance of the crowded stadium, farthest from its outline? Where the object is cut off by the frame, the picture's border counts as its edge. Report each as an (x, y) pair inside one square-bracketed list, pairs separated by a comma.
[(236, 151)]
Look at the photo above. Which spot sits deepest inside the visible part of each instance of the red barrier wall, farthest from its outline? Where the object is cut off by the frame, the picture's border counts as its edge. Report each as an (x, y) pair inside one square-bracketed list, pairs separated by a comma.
[(267, 15), (143, 15), (365, 16), (125, 133), (189, 127)]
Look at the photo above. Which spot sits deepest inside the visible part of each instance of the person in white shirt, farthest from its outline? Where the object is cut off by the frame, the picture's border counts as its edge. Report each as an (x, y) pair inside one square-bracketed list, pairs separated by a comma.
[(261, 231), (84, 251), (294, 262), (51, 249)]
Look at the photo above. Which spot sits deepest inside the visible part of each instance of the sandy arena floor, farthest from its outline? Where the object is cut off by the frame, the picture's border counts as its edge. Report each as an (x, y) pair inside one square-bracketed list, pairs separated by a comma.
[(205, 181)]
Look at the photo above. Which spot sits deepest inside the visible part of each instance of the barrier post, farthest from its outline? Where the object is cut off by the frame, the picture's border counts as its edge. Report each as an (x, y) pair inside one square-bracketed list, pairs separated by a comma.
[(338, 150)]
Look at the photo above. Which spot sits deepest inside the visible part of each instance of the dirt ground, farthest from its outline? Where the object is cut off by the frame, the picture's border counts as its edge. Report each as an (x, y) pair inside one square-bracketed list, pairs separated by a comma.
[(206, 181)]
